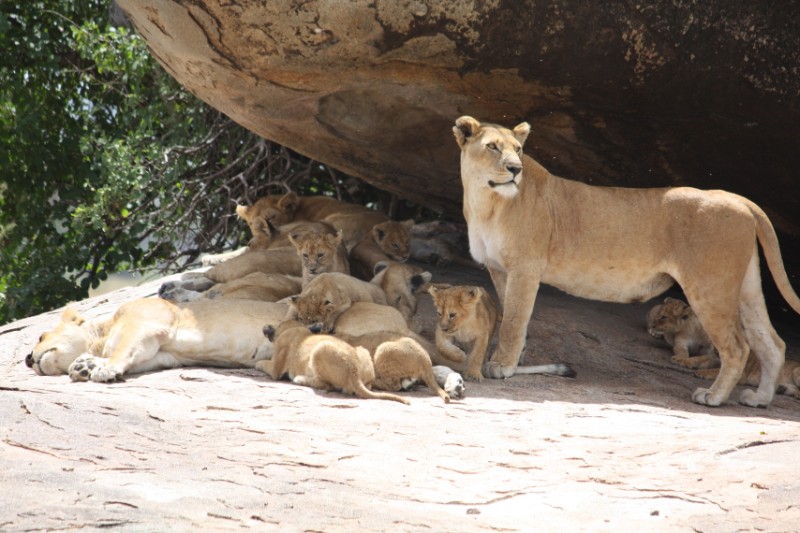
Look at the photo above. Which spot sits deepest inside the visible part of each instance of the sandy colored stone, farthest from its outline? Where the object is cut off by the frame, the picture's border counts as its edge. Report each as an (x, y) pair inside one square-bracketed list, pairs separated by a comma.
[(619, 448)]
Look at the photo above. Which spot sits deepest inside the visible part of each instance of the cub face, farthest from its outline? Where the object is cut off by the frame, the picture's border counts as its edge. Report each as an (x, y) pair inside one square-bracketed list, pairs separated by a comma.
[(393, 239), (318, 252), (314, 309), (668, 317), (454, 305), (271, 209)]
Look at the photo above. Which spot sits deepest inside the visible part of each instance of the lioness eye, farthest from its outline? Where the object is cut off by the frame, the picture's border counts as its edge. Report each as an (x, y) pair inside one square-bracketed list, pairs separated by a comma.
[(492, 146)]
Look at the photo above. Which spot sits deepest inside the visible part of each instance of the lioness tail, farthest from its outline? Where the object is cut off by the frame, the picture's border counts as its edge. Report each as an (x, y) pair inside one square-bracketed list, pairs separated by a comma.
[(772, 253), (559, 369)]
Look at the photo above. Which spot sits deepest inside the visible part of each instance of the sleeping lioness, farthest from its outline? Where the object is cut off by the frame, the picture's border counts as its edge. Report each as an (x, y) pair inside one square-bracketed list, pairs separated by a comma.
[(621, 245), (151, 334)]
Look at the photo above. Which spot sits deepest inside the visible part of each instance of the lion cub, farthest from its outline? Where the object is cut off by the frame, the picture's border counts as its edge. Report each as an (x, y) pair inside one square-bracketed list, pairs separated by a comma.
[(401, 283), (387, 241), (319, 253), (400, 361), (675, 322), (320, 361), (329, 295), (467, 319)]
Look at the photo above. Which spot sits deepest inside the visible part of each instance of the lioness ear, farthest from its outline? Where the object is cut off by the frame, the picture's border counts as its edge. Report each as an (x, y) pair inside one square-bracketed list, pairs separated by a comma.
[(71, 315), (521, 132), (465, 128)]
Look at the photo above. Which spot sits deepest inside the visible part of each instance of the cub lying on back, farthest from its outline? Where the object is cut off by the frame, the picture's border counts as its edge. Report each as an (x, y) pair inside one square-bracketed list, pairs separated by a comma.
[(467, 320), (320, 361), (400, 283), (675, 322)]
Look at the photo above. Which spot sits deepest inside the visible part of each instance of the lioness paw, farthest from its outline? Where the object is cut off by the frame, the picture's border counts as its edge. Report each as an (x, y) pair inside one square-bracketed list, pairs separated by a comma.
[(473, 376), (497, 371), (87, 367), (751, 398), (704, 397)]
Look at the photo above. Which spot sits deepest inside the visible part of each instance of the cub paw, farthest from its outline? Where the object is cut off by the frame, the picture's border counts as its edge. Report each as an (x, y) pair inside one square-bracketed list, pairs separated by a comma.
[(495, 370), (682, 361), (705, 397)]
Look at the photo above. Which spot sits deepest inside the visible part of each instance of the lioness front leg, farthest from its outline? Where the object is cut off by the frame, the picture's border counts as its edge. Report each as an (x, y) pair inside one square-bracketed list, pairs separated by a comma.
[(519, 298)]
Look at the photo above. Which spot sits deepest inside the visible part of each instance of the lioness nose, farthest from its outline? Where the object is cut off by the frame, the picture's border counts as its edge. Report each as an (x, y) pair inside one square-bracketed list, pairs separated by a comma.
[(514, 169), (29, 360)]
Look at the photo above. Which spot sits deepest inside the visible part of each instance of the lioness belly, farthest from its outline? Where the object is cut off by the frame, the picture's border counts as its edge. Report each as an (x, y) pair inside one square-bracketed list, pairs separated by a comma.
[(610, 284)]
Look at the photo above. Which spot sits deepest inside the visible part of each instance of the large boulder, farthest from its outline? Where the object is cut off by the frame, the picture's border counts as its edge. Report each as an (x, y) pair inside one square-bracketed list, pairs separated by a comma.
[(624, 93)]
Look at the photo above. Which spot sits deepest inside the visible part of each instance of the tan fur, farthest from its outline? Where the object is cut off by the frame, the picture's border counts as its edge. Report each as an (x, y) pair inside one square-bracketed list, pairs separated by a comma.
[(401, 283), (399, 361), (675, 322), (282, 209), (255, 286), (356, 224), (320, 253), (467, 320), (329, 295), (530, 227), (387, 241), (322, 362), (152, 334), (273, 261)]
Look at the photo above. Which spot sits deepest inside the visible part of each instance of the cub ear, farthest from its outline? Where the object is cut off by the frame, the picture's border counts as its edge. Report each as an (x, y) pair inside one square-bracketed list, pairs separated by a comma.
[(472, 295), (670, 300), (465, 128), (521, 132), (338, 238), (242, 211), (289, 203), (269, 332), (379, 234), (71, 315), (380, 266), (419, 280), (408, 224)]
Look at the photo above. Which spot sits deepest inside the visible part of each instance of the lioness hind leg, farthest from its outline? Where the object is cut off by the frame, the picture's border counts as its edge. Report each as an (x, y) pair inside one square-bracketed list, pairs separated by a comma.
[(764, 341)]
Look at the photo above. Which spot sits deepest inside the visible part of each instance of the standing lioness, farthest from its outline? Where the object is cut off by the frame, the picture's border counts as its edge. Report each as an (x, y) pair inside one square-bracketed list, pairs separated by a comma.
[(621, 245)]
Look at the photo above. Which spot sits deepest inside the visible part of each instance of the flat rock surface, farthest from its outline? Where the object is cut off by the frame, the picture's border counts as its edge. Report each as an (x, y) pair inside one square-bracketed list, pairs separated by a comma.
[(619, 448)]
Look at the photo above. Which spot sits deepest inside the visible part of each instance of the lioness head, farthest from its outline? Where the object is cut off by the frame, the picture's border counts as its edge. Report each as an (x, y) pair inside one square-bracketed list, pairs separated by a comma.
[(491, 155), (668, 317), (318, 253), (393, 239), (454, 305), (57, 349)]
